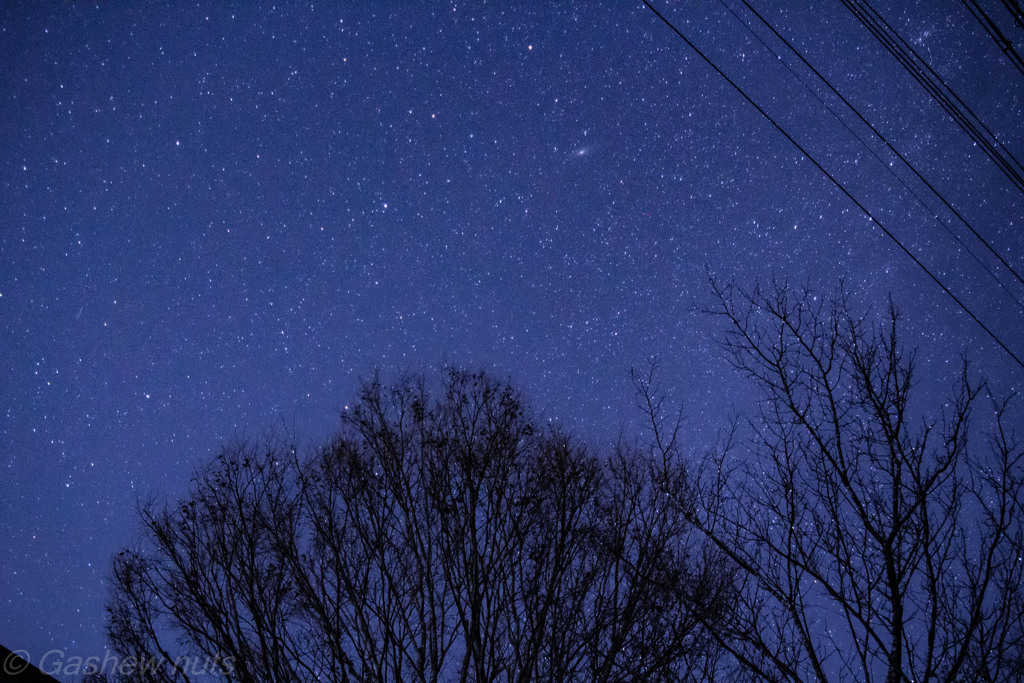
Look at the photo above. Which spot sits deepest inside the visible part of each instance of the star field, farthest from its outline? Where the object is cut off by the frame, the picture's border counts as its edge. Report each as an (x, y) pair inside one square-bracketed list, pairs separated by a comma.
[(216, 219)]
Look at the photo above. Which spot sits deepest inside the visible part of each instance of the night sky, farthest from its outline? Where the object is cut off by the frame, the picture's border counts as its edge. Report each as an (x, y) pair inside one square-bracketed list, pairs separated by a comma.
[(218, 219)]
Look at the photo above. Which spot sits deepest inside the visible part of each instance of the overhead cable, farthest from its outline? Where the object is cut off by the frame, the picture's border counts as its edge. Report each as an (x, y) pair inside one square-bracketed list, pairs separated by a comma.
[(835, 182), (891, 148), (995, 33), (957, 109)]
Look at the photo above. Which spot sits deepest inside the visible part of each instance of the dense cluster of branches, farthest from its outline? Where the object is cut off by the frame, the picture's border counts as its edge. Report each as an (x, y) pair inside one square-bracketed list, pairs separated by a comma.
[(847, 536), (872, 542), (449, 539)]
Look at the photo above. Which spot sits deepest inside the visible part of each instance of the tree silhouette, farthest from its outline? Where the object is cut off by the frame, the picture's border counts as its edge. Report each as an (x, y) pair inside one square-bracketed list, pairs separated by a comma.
[(872, 540), (432, 540), (456, 538)]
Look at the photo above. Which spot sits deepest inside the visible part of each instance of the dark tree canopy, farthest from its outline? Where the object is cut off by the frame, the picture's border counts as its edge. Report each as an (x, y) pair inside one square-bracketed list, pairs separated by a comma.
[(436, 538), (850, 528)]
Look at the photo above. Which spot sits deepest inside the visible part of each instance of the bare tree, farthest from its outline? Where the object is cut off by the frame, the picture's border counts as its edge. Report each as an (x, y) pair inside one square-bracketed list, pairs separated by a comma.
[(449, 539), (209, 568), (873, 540)]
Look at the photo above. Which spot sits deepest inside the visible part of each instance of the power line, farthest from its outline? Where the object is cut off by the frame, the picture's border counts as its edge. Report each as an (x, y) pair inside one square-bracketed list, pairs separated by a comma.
[(835, 182), (1014, 8), (937, 87), (895, 151), (919, 69), (992, 29)]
